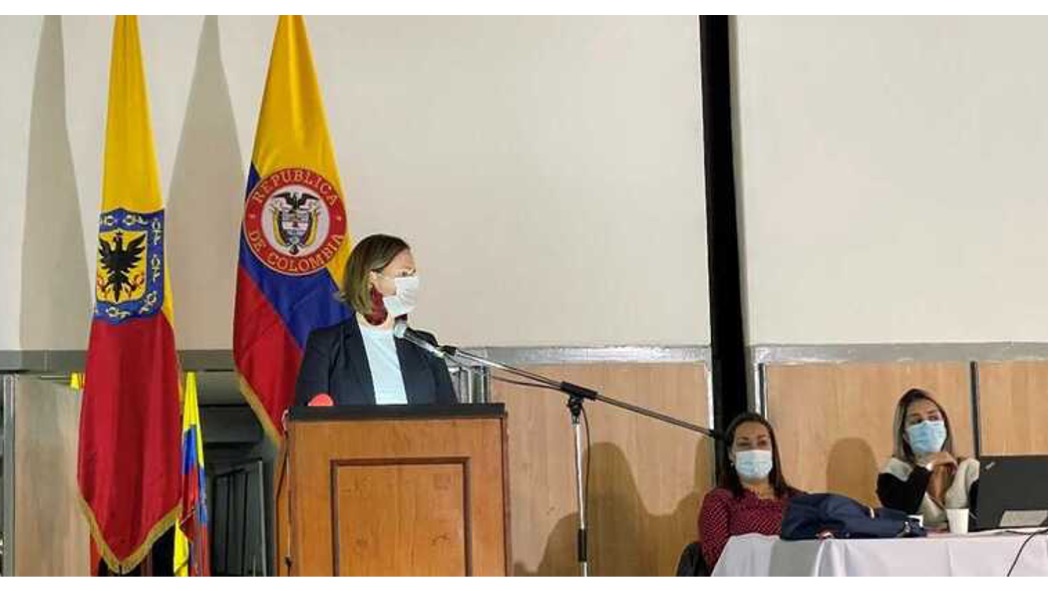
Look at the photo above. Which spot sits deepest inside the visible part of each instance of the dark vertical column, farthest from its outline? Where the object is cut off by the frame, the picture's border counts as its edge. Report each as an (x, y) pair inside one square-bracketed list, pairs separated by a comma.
[(728, 354), (975, 405)]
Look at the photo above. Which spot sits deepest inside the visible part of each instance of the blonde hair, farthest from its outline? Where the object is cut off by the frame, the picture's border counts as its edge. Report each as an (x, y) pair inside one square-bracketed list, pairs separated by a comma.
[(373, 253)]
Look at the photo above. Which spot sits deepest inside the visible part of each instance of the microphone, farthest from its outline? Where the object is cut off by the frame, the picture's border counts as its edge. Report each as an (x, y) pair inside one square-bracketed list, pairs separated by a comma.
[(322, 399), (402, 331)]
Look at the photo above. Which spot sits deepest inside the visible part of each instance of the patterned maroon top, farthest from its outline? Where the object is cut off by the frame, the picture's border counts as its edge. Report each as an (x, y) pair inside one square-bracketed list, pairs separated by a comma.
[(722, 516)]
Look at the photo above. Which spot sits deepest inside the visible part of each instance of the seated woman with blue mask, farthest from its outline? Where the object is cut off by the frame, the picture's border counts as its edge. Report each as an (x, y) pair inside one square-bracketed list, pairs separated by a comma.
[(752, 494), (924, 477)]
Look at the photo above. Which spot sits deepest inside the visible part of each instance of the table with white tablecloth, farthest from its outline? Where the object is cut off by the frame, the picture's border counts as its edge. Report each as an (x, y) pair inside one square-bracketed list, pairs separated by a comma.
[(976, 554)]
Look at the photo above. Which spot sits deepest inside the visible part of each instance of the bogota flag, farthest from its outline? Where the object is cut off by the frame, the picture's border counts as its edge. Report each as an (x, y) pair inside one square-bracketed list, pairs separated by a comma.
[(294, 238), (191, 536), (128, 460)]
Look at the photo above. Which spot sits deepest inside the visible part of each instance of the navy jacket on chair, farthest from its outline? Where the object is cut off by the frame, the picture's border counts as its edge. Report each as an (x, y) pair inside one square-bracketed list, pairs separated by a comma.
[(335, 363)]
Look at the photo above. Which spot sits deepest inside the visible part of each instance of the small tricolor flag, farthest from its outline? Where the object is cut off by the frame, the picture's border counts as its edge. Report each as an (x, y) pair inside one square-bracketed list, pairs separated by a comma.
[(191, 536)]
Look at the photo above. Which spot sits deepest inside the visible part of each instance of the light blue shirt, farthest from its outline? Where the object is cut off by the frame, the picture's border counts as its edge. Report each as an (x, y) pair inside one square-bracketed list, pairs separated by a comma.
[(384, 365)]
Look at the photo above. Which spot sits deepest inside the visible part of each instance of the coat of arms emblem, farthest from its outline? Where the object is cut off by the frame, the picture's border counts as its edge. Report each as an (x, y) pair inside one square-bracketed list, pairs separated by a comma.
[(294, 221)]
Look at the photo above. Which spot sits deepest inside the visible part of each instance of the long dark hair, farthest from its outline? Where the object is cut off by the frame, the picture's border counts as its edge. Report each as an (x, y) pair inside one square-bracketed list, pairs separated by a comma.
[(731, 480), (901, 449)]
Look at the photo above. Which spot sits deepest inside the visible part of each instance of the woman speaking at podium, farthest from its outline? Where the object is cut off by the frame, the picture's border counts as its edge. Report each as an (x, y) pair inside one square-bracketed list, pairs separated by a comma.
[(360, 362)]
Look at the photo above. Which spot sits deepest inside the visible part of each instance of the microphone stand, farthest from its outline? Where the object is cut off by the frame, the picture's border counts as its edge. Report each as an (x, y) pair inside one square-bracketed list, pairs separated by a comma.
[(576, 397)]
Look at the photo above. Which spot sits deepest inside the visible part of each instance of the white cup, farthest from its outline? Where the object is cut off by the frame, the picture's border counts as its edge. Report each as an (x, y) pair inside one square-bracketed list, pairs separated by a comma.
[(958, 520)]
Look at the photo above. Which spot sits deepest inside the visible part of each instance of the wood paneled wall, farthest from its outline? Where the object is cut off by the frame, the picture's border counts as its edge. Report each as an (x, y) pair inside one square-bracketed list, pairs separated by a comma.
[(834, 421), (51, 534), (646, 478), (1013, 407)]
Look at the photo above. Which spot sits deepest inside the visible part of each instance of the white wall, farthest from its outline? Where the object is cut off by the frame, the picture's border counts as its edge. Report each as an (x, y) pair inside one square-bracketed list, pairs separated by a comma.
[(19, 36), (893, 178), (548, 171)]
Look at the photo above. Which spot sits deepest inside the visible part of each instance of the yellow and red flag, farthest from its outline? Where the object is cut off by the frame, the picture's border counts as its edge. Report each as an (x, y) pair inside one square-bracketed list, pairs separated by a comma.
[(128, 461)]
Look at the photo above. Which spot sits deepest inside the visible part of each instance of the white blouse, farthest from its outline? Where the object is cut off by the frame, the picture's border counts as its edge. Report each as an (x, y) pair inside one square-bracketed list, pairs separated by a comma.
[(384, 365)]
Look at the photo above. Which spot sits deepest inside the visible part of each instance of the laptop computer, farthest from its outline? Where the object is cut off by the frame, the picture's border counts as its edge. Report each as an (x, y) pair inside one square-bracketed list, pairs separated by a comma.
[(1011, 492)]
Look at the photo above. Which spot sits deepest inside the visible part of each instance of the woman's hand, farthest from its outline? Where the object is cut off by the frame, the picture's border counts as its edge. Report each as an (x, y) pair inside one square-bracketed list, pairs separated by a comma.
[(941, 458), (943, 466)]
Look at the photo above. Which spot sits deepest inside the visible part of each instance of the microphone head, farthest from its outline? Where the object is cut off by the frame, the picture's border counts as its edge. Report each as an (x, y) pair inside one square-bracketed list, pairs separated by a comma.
[(400, 328), (322, 399)]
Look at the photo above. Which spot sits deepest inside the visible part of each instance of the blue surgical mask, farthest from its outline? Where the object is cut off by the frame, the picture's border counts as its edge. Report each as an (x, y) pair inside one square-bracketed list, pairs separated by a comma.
[(753, 464), (927, 437)]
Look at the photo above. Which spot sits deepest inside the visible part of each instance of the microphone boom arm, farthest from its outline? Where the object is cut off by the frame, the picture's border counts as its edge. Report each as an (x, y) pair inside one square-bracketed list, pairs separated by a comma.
[(578, 391)]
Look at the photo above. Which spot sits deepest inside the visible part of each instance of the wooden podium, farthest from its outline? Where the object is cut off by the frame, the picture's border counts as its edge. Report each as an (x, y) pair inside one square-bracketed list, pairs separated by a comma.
[(394, 490)]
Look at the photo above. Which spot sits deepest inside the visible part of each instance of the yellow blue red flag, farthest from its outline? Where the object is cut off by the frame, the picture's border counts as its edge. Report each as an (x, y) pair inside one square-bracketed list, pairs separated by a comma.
[(294, 236), (191, 536)]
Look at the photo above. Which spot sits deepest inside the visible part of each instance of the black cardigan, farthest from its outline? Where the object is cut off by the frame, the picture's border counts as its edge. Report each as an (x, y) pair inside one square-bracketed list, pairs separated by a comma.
[(335, 363), (907, 495)]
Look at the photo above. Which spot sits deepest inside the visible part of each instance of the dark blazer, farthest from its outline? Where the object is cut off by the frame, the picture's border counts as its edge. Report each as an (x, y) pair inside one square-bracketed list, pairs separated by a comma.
[(335, 363)]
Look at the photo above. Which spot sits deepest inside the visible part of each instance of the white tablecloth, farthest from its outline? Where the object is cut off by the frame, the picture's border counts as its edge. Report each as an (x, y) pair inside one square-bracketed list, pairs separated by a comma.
[(978, 554)]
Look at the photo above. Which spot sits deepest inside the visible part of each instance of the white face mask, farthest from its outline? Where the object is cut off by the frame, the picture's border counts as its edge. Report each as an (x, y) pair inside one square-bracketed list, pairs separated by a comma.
[(405, 297), (753, 464)]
